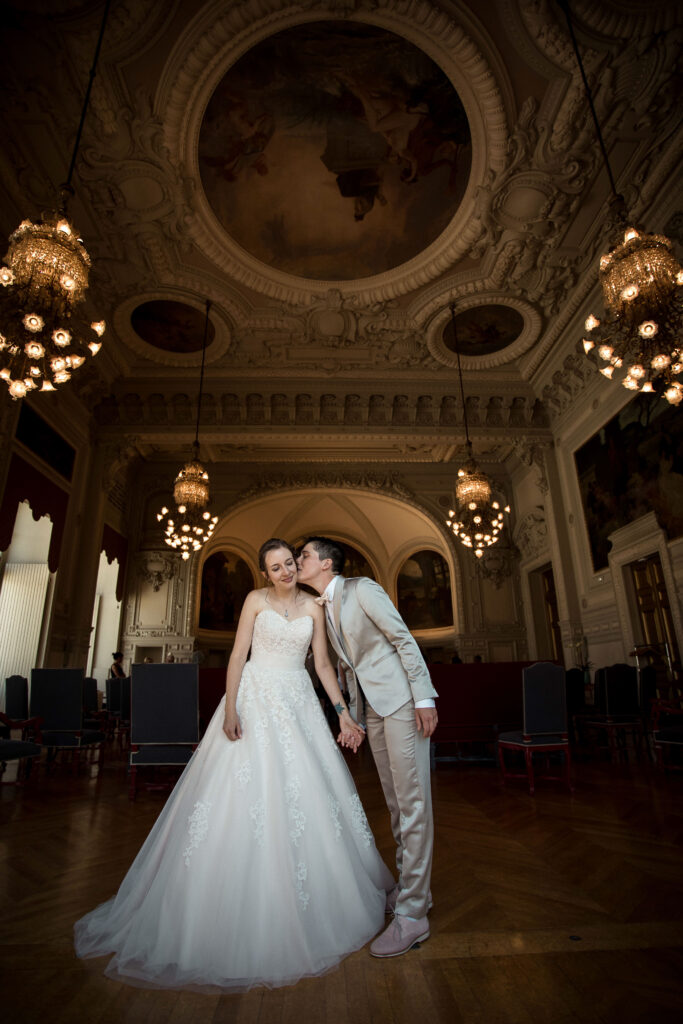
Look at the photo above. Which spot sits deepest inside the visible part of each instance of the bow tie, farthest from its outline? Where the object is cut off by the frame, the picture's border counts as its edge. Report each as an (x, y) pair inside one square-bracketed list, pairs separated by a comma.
[(323, 600)]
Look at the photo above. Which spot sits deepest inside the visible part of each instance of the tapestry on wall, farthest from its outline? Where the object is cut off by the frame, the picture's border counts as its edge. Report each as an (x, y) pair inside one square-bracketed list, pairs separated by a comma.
[(632, 466)]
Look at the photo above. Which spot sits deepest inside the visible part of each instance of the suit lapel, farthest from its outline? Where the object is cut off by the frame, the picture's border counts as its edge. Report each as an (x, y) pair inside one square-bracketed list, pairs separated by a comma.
[(337, 603), (337, 637)]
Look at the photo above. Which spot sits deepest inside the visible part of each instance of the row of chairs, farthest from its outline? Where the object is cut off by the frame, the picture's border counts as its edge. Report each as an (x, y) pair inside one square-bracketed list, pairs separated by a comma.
[(159, 705), (628, 708), (626, 705), (54, 719)]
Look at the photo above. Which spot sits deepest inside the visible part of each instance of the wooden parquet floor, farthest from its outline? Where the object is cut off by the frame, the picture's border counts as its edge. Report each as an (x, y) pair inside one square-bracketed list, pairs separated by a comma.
[(551, 909)]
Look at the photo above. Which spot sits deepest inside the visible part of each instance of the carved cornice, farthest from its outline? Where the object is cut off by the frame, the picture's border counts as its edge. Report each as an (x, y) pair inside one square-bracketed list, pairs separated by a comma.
[(393, 410)]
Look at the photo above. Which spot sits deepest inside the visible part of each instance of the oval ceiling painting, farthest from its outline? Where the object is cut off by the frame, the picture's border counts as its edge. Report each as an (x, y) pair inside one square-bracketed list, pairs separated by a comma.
[(483, 330), (171, 326), (334, 151)]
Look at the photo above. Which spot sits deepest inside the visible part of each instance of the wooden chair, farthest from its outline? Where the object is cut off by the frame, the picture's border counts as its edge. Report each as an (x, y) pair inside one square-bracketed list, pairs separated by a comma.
[(16, 697), (20, 742), (57, 699), (618, 714), (544, 709), (117, 689), (667, 734), (164, 718)]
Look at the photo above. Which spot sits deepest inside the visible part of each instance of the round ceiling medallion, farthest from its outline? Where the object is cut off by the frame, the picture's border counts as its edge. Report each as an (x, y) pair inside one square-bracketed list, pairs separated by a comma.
[(171, 326), (334, 151), (483, 330)]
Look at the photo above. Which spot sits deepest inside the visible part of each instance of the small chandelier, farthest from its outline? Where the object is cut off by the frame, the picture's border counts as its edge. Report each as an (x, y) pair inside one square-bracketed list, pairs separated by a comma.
[(478, 517), (642, 289), (44, 336), (190, 525)]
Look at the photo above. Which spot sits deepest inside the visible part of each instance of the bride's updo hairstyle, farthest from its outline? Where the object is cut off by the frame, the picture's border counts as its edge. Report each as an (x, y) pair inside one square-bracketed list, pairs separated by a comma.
[(274, 544)]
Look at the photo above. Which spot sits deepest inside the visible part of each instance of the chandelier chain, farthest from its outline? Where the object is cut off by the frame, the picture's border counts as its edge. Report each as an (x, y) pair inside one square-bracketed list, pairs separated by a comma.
[(564, 4), (201, 373), (462, 389), (66, 188)]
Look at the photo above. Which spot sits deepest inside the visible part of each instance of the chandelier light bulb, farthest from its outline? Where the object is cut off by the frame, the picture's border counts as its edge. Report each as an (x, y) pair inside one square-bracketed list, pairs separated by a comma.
[(61, 337), (630, 234), (591, 322), (95, 347), (17, 388), (99, 327), (660, 361), (34, 323), (631, 383), (606, 352), (6, 276), (607, 371), (647, 386), (630, 292), (674, 394), (648, 329), (34, 350)]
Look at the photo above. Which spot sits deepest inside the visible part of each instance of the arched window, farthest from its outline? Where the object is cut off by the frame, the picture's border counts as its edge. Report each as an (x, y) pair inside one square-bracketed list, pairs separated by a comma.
[(424, 591), (226, 581), (355, 564)]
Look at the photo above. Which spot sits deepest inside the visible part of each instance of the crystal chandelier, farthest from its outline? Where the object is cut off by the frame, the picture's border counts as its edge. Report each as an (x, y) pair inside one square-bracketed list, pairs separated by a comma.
[(191, 524), (642, 286), (44, 334), (478, 517), (642, 290)]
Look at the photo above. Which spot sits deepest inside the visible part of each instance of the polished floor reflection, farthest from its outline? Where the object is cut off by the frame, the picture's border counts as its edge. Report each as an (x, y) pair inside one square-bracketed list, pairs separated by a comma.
[(550, 908)]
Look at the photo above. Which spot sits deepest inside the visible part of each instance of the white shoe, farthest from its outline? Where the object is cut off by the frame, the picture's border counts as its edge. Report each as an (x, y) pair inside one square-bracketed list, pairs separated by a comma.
[(402, 934)]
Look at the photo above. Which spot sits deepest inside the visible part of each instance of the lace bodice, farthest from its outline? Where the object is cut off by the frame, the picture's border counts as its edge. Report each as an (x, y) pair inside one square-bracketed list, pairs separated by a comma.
[(279, 641)]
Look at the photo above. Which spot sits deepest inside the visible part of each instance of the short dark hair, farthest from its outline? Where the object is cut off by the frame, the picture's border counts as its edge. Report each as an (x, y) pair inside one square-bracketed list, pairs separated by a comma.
[(328, 548), (272, 545), (117, 654)]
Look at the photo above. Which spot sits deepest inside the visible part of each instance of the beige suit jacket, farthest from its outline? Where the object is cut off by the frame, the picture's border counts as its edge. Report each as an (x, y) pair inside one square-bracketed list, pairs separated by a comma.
[(376, 648)]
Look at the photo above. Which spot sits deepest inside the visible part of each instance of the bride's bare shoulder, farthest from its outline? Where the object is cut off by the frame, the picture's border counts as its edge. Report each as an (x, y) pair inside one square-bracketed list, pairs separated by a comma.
[(309, 603)]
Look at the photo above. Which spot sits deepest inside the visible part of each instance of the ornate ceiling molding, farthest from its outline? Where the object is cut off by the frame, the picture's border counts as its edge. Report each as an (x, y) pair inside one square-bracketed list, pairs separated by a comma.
[(528, 336), (216, 350), (219, 36)]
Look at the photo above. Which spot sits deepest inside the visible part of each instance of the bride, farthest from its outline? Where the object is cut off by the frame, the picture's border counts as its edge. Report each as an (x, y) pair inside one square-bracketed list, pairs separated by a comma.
[(261, 868)]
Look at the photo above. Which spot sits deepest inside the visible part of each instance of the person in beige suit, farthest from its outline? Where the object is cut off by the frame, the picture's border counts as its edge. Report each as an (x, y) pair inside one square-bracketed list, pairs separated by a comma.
[(391, 694)]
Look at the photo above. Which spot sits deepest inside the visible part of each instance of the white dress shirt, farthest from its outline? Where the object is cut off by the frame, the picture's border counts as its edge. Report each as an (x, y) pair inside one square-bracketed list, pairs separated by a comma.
[(328, 592)]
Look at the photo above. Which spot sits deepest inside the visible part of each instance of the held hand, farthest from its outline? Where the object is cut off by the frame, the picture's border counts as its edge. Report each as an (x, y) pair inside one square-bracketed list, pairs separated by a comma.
[(426, 720), (231, 726), (351, 735)]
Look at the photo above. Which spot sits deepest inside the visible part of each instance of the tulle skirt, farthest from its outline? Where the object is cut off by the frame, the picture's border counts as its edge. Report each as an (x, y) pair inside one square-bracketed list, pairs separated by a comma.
[(261, 869)]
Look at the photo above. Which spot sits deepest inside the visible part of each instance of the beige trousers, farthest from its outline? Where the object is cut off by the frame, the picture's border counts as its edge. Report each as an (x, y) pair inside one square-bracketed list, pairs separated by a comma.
[(401, 754)]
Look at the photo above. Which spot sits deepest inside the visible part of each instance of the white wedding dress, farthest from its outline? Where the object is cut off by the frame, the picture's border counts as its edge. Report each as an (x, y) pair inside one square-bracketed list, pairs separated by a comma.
[(261, 868)]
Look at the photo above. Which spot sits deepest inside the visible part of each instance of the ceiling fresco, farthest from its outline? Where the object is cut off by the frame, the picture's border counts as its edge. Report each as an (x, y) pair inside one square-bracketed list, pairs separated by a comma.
[(483, 330), (334, 151), (171, 326)]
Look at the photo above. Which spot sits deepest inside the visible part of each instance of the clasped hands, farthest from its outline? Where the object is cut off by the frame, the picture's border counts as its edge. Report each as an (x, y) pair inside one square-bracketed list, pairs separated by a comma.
[(351, 735)]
